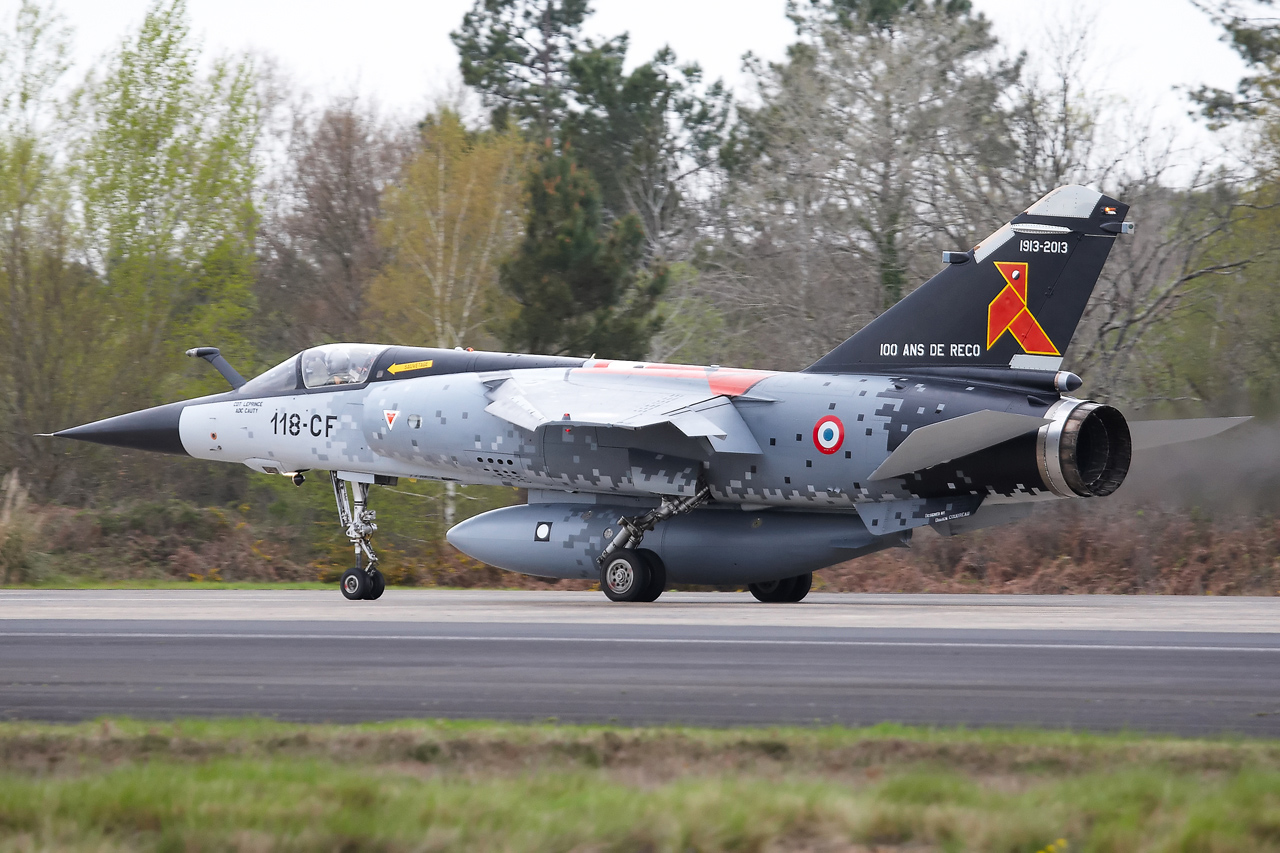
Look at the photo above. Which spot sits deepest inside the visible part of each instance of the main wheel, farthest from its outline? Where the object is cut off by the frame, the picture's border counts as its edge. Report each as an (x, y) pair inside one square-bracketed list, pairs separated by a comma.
[(377, 585), (625, 576), (657, 575), (355, 584), (772, 592), (800, 586)]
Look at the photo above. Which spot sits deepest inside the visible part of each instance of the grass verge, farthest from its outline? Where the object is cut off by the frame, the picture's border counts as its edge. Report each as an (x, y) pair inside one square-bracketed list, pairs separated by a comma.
[(254, 784)]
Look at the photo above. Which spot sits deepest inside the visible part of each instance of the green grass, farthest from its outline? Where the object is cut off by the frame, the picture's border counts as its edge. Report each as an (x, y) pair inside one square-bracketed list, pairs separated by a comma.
[(434, 785)]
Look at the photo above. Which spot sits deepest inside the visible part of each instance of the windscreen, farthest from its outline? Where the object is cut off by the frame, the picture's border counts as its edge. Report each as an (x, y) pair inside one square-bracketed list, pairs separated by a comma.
[(338, 364), (282, 377)]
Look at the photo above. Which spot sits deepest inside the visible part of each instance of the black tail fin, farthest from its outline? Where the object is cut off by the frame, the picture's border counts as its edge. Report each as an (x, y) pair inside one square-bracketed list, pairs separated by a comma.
[(1014, 300)]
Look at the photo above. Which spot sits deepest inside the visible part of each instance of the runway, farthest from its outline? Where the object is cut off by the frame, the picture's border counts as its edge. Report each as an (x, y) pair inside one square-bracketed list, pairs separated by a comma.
[(1182, 665)]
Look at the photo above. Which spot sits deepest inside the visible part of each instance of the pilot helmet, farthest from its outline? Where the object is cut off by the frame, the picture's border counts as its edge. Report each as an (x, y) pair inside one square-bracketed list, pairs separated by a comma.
[(339, 362)]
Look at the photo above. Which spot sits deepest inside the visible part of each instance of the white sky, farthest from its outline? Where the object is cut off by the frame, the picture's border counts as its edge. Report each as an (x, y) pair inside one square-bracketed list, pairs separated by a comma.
[(399, 50)]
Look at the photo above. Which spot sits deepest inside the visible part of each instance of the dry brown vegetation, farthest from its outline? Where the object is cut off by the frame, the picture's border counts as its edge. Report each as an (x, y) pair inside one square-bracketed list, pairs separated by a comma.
[(1082, 548), (1064, 548), (150, 541)]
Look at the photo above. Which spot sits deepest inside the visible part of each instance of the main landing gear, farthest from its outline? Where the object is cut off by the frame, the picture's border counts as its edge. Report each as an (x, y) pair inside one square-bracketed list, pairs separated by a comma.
[(633, 575), (630, 573), (785, 590), (364, 581)]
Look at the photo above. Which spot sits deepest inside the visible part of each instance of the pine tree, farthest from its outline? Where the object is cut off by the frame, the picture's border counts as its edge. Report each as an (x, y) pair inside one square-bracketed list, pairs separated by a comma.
[(516, 53), (577, 281)]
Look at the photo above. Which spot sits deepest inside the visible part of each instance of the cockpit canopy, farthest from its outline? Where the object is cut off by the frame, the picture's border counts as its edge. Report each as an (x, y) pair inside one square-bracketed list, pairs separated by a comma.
[(338, 364), (331, 364)]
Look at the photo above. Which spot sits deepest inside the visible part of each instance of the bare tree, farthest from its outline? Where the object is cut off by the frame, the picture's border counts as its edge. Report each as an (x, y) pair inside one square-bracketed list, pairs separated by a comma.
[(877, 145), (1189, 215), (873, 147), (447, 223), (318, 247)]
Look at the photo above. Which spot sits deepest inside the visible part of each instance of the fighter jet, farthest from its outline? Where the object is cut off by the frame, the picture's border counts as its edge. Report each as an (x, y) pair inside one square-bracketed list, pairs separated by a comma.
[(950, 411)]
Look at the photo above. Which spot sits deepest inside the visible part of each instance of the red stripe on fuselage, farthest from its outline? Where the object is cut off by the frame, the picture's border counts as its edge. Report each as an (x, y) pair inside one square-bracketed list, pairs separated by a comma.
[(727, 381)]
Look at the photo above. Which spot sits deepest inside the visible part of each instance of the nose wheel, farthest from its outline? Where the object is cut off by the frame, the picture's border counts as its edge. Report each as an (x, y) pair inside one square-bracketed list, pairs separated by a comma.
[(377, 585), (355, 583), (364, 582)]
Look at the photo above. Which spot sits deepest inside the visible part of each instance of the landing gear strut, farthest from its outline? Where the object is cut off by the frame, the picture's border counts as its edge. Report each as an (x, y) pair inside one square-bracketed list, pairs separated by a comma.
[(628, 574), (362, 582)]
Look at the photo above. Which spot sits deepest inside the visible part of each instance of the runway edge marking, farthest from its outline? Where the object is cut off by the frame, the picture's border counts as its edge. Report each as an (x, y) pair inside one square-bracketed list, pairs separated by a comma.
[(646, 640)]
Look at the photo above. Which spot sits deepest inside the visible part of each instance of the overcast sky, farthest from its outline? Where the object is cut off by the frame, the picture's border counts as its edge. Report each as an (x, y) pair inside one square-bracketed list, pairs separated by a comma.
[(399, 50)]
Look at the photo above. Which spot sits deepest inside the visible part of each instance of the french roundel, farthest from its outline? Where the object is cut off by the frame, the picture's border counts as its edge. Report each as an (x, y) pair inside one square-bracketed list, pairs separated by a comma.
[(828, 435)]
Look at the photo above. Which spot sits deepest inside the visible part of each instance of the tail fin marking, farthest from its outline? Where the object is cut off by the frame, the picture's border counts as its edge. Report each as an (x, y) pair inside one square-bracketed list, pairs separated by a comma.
[(1016, 304)]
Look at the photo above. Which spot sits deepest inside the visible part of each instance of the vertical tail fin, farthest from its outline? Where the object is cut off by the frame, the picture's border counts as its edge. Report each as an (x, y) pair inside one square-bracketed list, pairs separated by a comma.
[(1014, 300)]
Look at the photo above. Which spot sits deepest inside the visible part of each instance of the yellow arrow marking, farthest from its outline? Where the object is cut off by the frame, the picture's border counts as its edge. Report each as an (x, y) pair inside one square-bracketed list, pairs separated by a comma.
[(413, 365)]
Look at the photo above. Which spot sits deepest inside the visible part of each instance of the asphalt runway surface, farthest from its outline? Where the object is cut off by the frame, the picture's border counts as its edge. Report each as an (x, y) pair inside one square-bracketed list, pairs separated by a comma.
[(1164, 664)]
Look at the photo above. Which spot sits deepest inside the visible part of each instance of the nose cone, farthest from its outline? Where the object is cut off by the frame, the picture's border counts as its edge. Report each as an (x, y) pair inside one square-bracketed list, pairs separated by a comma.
[(150, 429)]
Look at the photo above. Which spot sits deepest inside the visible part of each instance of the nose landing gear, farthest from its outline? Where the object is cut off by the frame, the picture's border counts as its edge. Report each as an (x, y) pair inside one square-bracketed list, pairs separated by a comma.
[(366, 584), (362, 582)]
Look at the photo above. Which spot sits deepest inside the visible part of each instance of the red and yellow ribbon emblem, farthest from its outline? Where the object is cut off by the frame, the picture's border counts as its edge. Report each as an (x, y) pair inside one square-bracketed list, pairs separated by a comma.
[(1008, 313)]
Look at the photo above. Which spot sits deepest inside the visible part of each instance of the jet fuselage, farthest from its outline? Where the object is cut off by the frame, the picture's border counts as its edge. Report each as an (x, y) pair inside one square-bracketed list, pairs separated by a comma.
[(437, 427)]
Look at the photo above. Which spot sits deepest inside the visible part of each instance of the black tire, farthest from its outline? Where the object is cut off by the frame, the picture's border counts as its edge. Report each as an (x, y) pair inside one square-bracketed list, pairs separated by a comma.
[(625, 576), (657, 575), (377, 585), (772, 592), (800, 586), (355, 584)]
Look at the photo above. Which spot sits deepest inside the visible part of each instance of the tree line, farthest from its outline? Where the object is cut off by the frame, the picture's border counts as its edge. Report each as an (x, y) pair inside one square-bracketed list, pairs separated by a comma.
[(592, 204)]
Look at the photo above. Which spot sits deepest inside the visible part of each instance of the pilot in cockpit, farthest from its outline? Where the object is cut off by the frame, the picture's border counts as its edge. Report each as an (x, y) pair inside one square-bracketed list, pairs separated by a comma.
[(338, 364), (339, 367)]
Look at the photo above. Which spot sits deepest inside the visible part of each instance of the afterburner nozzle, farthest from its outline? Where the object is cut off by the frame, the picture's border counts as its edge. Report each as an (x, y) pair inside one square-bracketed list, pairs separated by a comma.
[(153, 429)]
